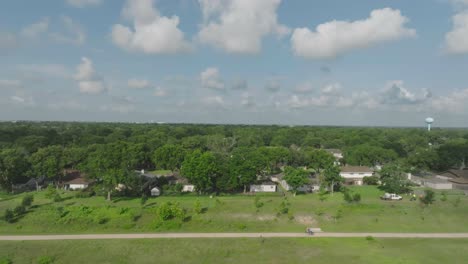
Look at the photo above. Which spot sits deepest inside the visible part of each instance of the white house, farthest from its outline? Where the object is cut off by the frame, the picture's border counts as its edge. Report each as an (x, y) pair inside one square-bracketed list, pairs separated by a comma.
[(263, 187), (188, 188), (354, 174), (77, 184), (155, 191)]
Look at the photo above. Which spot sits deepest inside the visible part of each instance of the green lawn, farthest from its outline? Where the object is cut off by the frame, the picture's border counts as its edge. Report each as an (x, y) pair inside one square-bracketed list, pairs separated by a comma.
[(238, 214), (254, 250)]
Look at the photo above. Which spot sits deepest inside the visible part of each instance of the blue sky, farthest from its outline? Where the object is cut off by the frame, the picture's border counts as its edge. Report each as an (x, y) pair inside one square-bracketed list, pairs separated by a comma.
[(363, 62)]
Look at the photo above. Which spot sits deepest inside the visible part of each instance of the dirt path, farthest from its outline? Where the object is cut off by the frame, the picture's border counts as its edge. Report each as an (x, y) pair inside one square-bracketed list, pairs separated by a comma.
[(230, 235)]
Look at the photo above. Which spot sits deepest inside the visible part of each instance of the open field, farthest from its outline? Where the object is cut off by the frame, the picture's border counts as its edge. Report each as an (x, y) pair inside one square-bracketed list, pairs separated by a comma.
[(238, 214), (241, 250)]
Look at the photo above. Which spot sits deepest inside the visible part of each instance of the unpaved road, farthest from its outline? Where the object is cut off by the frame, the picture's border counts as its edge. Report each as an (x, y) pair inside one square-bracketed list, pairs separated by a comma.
[(229, 235)]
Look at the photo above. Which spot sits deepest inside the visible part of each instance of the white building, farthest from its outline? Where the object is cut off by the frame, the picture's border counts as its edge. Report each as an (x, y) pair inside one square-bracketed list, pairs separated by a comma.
[(77, 184), (263, 187), (188, 188), (355, 174), (155, 191)]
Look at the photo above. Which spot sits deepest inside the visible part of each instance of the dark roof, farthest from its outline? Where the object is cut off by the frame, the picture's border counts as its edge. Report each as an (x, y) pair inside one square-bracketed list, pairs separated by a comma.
[(356, 169), (458, 180), (455, 174), (79, 180)]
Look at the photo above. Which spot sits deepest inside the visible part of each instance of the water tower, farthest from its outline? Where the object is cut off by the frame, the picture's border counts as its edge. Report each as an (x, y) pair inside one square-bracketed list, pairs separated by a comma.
[(429, 122)]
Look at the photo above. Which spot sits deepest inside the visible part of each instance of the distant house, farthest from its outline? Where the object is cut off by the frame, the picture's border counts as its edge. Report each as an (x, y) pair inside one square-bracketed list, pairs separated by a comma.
[(312, 186), (459, 178), (263, 187), (155, 191), (337, 154), (77, 184), (354, 175), (431, 181)]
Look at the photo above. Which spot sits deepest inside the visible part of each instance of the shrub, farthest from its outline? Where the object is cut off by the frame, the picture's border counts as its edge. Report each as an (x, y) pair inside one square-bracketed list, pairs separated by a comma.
[(19, 210), (347, 197), (167, 211), (443, 196), (258, 204), (323, 194), (283, 208), (27, 200), (51, 192), (8, 215), (371, 180), (428, 198), (143, 199), (45, 260), (370, 238), (457, 201), (84, 194), (197, 207), (57, 198), (357, 197)]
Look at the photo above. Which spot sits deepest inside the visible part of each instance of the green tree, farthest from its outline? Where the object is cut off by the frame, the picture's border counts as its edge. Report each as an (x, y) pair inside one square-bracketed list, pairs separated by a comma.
[(201, 169), (319, 159), (332, 177), (394, 179), (295, 178), (428, 198), (48, 162), (244, 166), (13, 167), (169, 157)]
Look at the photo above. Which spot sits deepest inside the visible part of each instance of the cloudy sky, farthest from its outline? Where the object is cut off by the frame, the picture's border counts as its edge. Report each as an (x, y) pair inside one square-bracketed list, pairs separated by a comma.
[(335, 62)]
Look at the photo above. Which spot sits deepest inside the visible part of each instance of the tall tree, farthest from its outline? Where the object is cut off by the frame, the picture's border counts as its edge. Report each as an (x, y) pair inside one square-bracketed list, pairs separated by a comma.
[(48, 162), (169, 157), (13, 167), (394, 178), (201, 169), (244, 165), (332, 177), (295, 178)]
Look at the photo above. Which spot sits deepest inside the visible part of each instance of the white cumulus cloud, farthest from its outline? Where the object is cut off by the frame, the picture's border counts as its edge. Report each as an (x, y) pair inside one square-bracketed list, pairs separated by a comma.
[(238, 26), (89, 81), (395, 93), (36, 29), (210, 79), (456, 41), (151, 32), (338, 37)]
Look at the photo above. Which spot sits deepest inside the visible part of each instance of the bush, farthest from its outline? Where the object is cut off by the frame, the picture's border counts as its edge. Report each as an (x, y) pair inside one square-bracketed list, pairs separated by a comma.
[(9, 215), (323, 194), (45, 260), (19, 210), (27, 200), (443, 197), (197, 207), (258, 204), (57, 198), (283, 208), (371, 180), (167, 211), (457, 201), (51, 192), (428, 198), (357, 197)]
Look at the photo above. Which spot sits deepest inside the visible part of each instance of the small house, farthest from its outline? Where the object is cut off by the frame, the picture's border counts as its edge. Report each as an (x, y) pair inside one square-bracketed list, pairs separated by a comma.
[(79, 183), (354, 175), (155, 191), (263, 187)]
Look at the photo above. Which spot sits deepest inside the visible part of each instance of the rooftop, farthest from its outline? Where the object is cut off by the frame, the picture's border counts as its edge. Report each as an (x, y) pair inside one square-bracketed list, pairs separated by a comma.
[(356, 169)]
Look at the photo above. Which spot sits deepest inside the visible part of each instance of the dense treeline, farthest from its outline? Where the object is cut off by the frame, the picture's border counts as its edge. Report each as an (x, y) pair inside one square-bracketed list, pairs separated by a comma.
[(213, 157)]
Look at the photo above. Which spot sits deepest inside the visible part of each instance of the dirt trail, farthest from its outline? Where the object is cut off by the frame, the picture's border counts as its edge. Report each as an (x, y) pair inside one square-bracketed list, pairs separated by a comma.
[(228, 235)]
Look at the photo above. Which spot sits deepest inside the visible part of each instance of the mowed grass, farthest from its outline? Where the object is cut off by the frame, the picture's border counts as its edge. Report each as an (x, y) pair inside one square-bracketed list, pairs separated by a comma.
[(238, 213), (249, 250)]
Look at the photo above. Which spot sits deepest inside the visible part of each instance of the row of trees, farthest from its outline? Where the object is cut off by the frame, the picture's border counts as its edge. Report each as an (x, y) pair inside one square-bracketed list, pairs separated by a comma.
[(214, 157)]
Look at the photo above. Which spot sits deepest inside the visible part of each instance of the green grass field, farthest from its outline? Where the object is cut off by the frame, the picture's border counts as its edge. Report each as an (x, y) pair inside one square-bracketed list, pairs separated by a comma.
[(254, 250), (238, 214)]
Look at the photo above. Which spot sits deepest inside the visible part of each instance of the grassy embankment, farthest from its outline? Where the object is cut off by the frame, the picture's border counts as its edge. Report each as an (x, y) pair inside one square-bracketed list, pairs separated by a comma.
[(238, 214)]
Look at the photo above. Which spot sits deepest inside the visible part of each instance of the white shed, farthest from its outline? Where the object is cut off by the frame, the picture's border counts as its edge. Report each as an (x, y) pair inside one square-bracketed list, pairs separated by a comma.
[(264, 187), (188, 188), (77, 184), (155, 191)]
